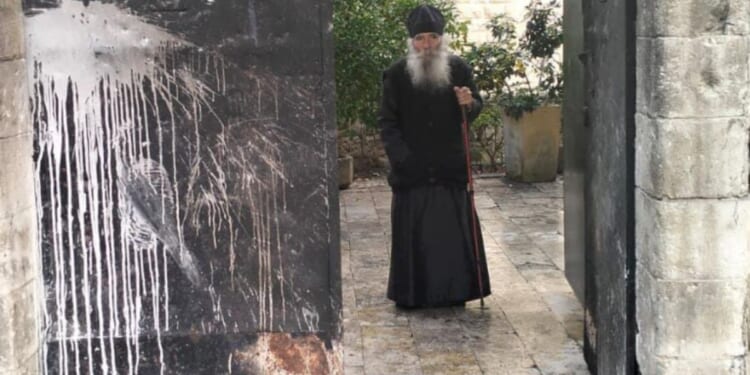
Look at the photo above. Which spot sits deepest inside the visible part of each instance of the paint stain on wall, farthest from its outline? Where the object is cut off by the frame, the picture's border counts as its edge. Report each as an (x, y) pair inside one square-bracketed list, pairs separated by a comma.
[(281, 353), (167, 206)]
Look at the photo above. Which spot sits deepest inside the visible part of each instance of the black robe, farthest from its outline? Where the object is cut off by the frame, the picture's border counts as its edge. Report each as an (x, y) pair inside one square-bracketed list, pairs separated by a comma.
[(433, 261)]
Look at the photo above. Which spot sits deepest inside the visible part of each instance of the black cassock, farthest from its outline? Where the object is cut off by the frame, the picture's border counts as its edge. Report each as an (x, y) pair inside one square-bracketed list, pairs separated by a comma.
[(433, 260), (432, 256)]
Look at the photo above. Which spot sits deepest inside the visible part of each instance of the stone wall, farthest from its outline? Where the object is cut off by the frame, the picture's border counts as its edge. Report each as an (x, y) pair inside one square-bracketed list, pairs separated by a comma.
[(479, 12), (19, 343), (692, 204), (186, 189)]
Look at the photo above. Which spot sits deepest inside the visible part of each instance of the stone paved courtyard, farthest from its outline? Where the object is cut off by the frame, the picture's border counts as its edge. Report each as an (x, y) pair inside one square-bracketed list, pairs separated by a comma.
[(532, 323)]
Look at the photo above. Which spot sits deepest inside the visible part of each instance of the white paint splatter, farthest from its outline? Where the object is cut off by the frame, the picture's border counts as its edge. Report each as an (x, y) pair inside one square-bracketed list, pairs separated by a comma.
[(108, 92)]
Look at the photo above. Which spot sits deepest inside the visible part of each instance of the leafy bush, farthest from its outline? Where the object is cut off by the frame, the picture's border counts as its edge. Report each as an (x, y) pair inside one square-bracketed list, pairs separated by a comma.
[(542, 37), (487, 134), (505, 67), (494, 62)]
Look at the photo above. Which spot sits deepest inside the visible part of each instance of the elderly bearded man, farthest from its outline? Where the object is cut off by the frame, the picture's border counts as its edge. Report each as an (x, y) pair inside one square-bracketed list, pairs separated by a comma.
[(432, 249)]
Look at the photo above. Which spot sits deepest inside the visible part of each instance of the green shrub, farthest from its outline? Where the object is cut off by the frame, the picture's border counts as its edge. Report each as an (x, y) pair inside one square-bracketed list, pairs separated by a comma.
[(505, 66), (487, 134)]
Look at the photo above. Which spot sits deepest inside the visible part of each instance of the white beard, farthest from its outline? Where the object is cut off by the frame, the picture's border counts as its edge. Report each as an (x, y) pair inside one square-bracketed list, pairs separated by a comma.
[(429, 70)]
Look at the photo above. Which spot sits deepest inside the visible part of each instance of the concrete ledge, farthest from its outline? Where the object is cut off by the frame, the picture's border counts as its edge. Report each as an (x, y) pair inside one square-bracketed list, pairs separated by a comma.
[(693, 17), (699, 320), (693, 239), (692, 78), (691, 158)]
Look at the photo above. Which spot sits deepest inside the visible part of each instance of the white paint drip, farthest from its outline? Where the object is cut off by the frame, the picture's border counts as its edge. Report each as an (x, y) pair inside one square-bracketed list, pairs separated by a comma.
[(107, 247)]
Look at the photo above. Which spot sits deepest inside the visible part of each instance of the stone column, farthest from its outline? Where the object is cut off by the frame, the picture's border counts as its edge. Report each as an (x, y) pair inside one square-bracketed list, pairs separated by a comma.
[(692, 168), (19, 265)]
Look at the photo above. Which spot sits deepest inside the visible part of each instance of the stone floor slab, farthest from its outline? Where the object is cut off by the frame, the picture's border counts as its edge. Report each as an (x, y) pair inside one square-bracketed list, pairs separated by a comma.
[(531, 324)]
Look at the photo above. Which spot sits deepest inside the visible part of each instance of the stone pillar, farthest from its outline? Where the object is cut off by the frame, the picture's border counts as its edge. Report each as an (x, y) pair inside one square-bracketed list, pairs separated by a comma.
[(19, 337), (692, 205)]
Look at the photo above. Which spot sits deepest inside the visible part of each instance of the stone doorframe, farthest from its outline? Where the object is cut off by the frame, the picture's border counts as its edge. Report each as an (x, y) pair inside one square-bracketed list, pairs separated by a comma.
[(692, 202), (20, 284)]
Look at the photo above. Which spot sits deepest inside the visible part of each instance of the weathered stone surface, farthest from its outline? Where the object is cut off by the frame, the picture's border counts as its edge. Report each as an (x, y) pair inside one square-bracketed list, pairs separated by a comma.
[(692, 158), (693, 17), (276, 353), (696, 320), (527, 327), (19, 330), (692, 169), (532, 143), (12, 40), (693, 239), (16, 181), (354, 370), (671, 366), (478, 13), (14, 114), (18, 324), (18, 259), (31, 367), (699, 77), (449, 362), (18, 263), (562, 361)]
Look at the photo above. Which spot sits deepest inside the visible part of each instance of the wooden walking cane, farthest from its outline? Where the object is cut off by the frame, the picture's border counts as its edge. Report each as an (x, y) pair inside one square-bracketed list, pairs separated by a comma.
[(470, 191)]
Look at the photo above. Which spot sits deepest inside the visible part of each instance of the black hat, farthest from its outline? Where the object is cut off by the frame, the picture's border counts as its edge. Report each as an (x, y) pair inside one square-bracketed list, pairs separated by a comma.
[(425, 19)]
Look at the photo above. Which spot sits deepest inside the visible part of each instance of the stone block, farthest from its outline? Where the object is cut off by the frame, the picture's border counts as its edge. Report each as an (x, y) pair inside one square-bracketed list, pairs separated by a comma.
[(700, 77), (699, 320), (16, 175), (14, 113), (690, 158), (532, 144), (675, 366), (346, 171), (19, 330), (12, 40), (279, 352), (18, 252), (693, 17), (693, 239), (567, 360), (30, 367)]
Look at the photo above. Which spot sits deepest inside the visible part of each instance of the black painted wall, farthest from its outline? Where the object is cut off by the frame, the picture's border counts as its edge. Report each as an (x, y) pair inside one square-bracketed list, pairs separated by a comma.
[(599, 196), (610, 300), (186, 182), (575, 141)]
